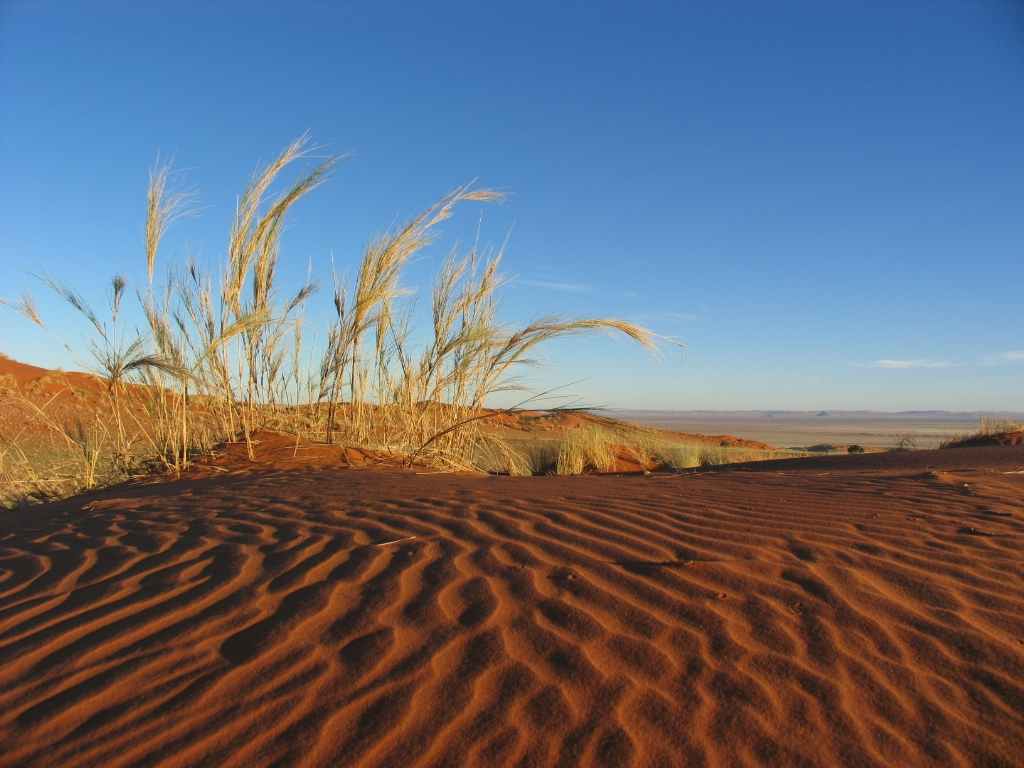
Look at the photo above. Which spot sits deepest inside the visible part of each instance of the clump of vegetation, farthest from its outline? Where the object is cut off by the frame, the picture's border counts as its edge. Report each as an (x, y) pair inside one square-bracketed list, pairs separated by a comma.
[(855, 449), (994, 426), (223, 358), (600, 445), (585, 449), (49, 445), (676, 456), (665, 451), (906, 442), (988, 428), (712, 456)]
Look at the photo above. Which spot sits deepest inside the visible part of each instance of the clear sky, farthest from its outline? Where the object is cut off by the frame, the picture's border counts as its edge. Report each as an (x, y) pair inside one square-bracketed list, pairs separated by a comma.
[(824, 200)]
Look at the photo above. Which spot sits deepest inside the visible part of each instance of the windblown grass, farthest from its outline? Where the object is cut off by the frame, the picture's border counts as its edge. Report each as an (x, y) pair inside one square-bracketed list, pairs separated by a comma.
[(221, 358)]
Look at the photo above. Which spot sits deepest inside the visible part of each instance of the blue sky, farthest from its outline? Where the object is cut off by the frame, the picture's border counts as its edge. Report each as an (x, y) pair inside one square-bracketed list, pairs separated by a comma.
[(825, 201)]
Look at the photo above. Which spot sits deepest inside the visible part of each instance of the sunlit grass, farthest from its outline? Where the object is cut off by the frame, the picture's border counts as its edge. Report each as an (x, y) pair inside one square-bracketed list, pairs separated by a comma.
[(222, 353)]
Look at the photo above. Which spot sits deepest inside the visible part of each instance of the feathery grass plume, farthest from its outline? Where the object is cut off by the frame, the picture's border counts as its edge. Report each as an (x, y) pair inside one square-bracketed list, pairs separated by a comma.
[(377, 287), (254, 237), (164, 399), (162, 208), (117, 285), (513, 349), (26, 307), (464, 331), (253, 252)]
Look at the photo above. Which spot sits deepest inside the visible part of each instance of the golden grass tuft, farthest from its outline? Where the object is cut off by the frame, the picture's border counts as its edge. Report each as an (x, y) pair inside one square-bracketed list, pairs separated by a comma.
[(585, 449)]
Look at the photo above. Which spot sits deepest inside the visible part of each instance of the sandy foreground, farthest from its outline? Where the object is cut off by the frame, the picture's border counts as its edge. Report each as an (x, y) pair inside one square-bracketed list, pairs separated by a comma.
[(862, 611)]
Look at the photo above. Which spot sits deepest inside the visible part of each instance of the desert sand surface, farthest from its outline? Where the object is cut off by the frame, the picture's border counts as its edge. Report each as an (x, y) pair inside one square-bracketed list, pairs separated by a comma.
[(839, 611)]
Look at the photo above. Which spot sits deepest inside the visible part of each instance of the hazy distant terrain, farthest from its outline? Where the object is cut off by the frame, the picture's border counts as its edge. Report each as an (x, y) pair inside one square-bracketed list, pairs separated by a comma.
[(873, 429)]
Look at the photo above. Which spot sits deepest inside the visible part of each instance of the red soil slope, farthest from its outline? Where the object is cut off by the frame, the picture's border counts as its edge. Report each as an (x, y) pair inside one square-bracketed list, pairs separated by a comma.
[(23, 373), (20, 371), (862, 611)]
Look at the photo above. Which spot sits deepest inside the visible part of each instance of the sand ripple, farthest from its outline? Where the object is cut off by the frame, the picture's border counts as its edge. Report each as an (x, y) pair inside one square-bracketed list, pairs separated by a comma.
[(869, 618)]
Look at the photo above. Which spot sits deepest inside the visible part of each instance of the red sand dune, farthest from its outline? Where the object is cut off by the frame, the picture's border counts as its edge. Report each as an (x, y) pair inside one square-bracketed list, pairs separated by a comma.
[(23, 373), (860, 611)]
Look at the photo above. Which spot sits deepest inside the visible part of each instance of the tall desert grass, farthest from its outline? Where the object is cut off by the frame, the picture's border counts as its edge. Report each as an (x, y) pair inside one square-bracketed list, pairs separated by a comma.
[(222, 357)]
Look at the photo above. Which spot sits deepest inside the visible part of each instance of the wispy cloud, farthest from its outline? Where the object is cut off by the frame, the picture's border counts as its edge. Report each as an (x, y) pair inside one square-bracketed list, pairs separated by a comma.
[(551, 285), (907, 364), (1014, 355)]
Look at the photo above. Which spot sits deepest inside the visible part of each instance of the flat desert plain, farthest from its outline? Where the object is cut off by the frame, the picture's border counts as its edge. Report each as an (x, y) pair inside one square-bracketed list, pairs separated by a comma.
[(837, 611), (790, 429)]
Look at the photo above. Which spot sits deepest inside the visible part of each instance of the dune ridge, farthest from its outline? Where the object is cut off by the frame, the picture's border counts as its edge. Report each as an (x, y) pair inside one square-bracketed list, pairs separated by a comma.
[(872, 616)]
